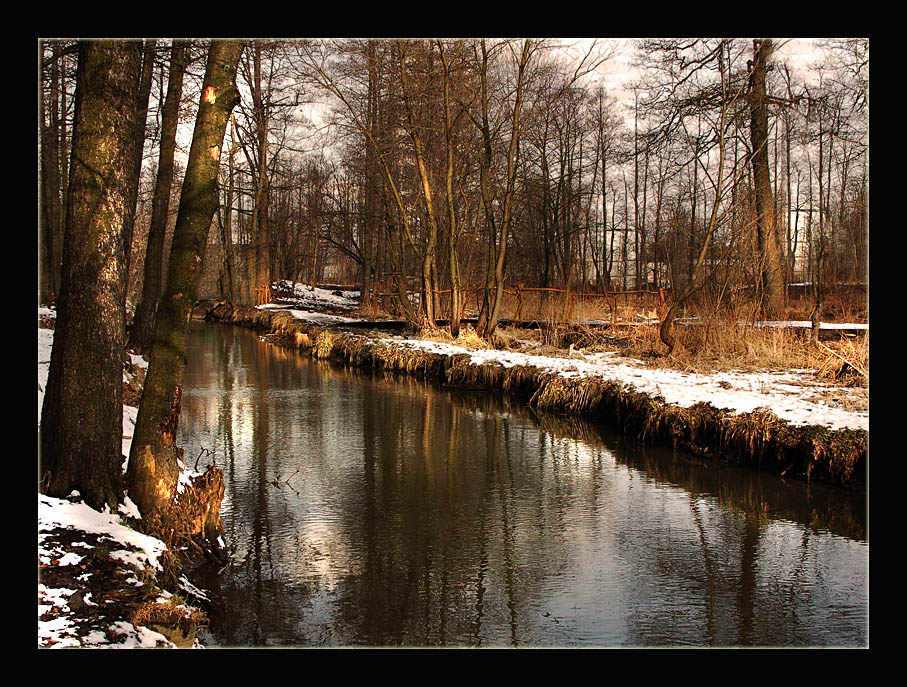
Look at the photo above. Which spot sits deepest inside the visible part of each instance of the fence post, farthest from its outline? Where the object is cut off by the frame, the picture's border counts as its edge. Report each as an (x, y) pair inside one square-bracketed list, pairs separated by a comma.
[(519, 298)]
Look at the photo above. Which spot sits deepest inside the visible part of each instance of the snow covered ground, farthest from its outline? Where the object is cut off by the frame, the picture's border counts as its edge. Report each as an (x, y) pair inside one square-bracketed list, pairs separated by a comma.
[(314, 297), (125, 545), (793, 395)]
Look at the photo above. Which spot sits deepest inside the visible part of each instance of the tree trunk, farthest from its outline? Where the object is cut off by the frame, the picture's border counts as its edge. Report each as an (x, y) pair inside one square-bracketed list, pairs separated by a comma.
[(370, 181), (154, 467), (143, 323), (497, 258), (81, 420), (226, 226), (772, 271), (138, 138), (51, 215), (260, 274)]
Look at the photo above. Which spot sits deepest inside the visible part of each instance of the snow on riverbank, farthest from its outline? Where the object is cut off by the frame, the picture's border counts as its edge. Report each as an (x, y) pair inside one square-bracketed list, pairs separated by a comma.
[(130, 551), (315, 297), (319, 318), (791, 395)]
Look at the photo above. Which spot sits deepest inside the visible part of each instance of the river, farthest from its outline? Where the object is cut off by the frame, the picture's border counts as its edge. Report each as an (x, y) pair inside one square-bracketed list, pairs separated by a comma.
[(369, 511)]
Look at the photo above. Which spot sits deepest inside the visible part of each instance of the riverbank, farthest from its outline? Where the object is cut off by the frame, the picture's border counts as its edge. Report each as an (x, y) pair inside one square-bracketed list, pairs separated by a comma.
[(781, 422), (101, 582)]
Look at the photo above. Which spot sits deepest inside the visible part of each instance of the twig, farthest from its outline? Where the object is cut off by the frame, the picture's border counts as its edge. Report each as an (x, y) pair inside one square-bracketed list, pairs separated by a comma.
[(200, 453)]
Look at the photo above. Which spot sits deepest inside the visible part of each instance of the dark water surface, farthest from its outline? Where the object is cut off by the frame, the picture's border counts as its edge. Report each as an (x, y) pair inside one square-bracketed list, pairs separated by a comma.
[(406, 515)]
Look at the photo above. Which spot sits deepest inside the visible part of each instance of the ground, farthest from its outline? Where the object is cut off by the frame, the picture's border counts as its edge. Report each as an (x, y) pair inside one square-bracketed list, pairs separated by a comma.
[(799, 395), (100, 581)]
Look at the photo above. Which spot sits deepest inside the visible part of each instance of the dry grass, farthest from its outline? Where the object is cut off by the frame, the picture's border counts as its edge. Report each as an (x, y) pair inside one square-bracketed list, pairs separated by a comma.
[(177, 622), (164, 613), (712, 338), (728, 340), (324, 344)]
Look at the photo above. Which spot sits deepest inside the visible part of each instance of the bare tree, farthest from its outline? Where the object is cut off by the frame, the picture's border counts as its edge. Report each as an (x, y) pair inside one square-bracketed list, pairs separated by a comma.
[(728, 98)]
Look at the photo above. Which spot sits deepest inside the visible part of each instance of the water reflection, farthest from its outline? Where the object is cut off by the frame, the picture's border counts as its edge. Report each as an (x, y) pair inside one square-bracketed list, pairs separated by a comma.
[(378, 512)]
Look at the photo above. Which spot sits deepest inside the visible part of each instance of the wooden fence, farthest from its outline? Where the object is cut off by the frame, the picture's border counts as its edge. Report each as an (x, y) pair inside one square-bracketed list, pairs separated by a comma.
[(570, 297)]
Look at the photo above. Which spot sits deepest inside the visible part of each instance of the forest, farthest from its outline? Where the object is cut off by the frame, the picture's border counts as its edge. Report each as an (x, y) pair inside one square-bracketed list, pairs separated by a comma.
[(446, 181), (456, 169), (641, 209)]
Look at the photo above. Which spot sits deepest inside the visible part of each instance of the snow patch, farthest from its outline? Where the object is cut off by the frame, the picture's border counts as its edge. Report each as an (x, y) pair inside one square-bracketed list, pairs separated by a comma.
[(787, 394)]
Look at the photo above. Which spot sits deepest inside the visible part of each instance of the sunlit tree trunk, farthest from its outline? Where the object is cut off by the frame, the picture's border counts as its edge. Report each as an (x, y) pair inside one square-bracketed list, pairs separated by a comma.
[(154, 468)]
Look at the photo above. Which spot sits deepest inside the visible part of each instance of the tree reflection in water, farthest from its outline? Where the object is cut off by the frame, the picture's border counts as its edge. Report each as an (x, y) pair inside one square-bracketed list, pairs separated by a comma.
[(420, 517)]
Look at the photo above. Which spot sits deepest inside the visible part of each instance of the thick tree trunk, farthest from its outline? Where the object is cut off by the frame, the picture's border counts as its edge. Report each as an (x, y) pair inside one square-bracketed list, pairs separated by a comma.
[(143, 323), (771, 268), (81, 420), (154, 469)]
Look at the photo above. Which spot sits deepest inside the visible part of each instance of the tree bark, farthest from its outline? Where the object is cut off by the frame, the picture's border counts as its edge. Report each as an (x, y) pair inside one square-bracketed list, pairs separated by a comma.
[(154, 467), (81, 419), (143, 322), (770, 257)]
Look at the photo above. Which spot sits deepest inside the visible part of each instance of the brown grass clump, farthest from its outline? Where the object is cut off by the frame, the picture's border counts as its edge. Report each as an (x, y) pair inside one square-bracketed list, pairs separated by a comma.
[(846, 361), (323, 344), (166, 613), (750, 432), (429, 332), (572, 395), (177, 622), (469, 338)]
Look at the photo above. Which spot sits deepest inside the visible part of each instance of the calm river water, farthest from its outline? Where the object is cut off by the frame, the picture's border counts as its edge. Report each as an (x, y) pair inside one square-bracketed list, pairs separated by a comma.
[(406, 515)]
